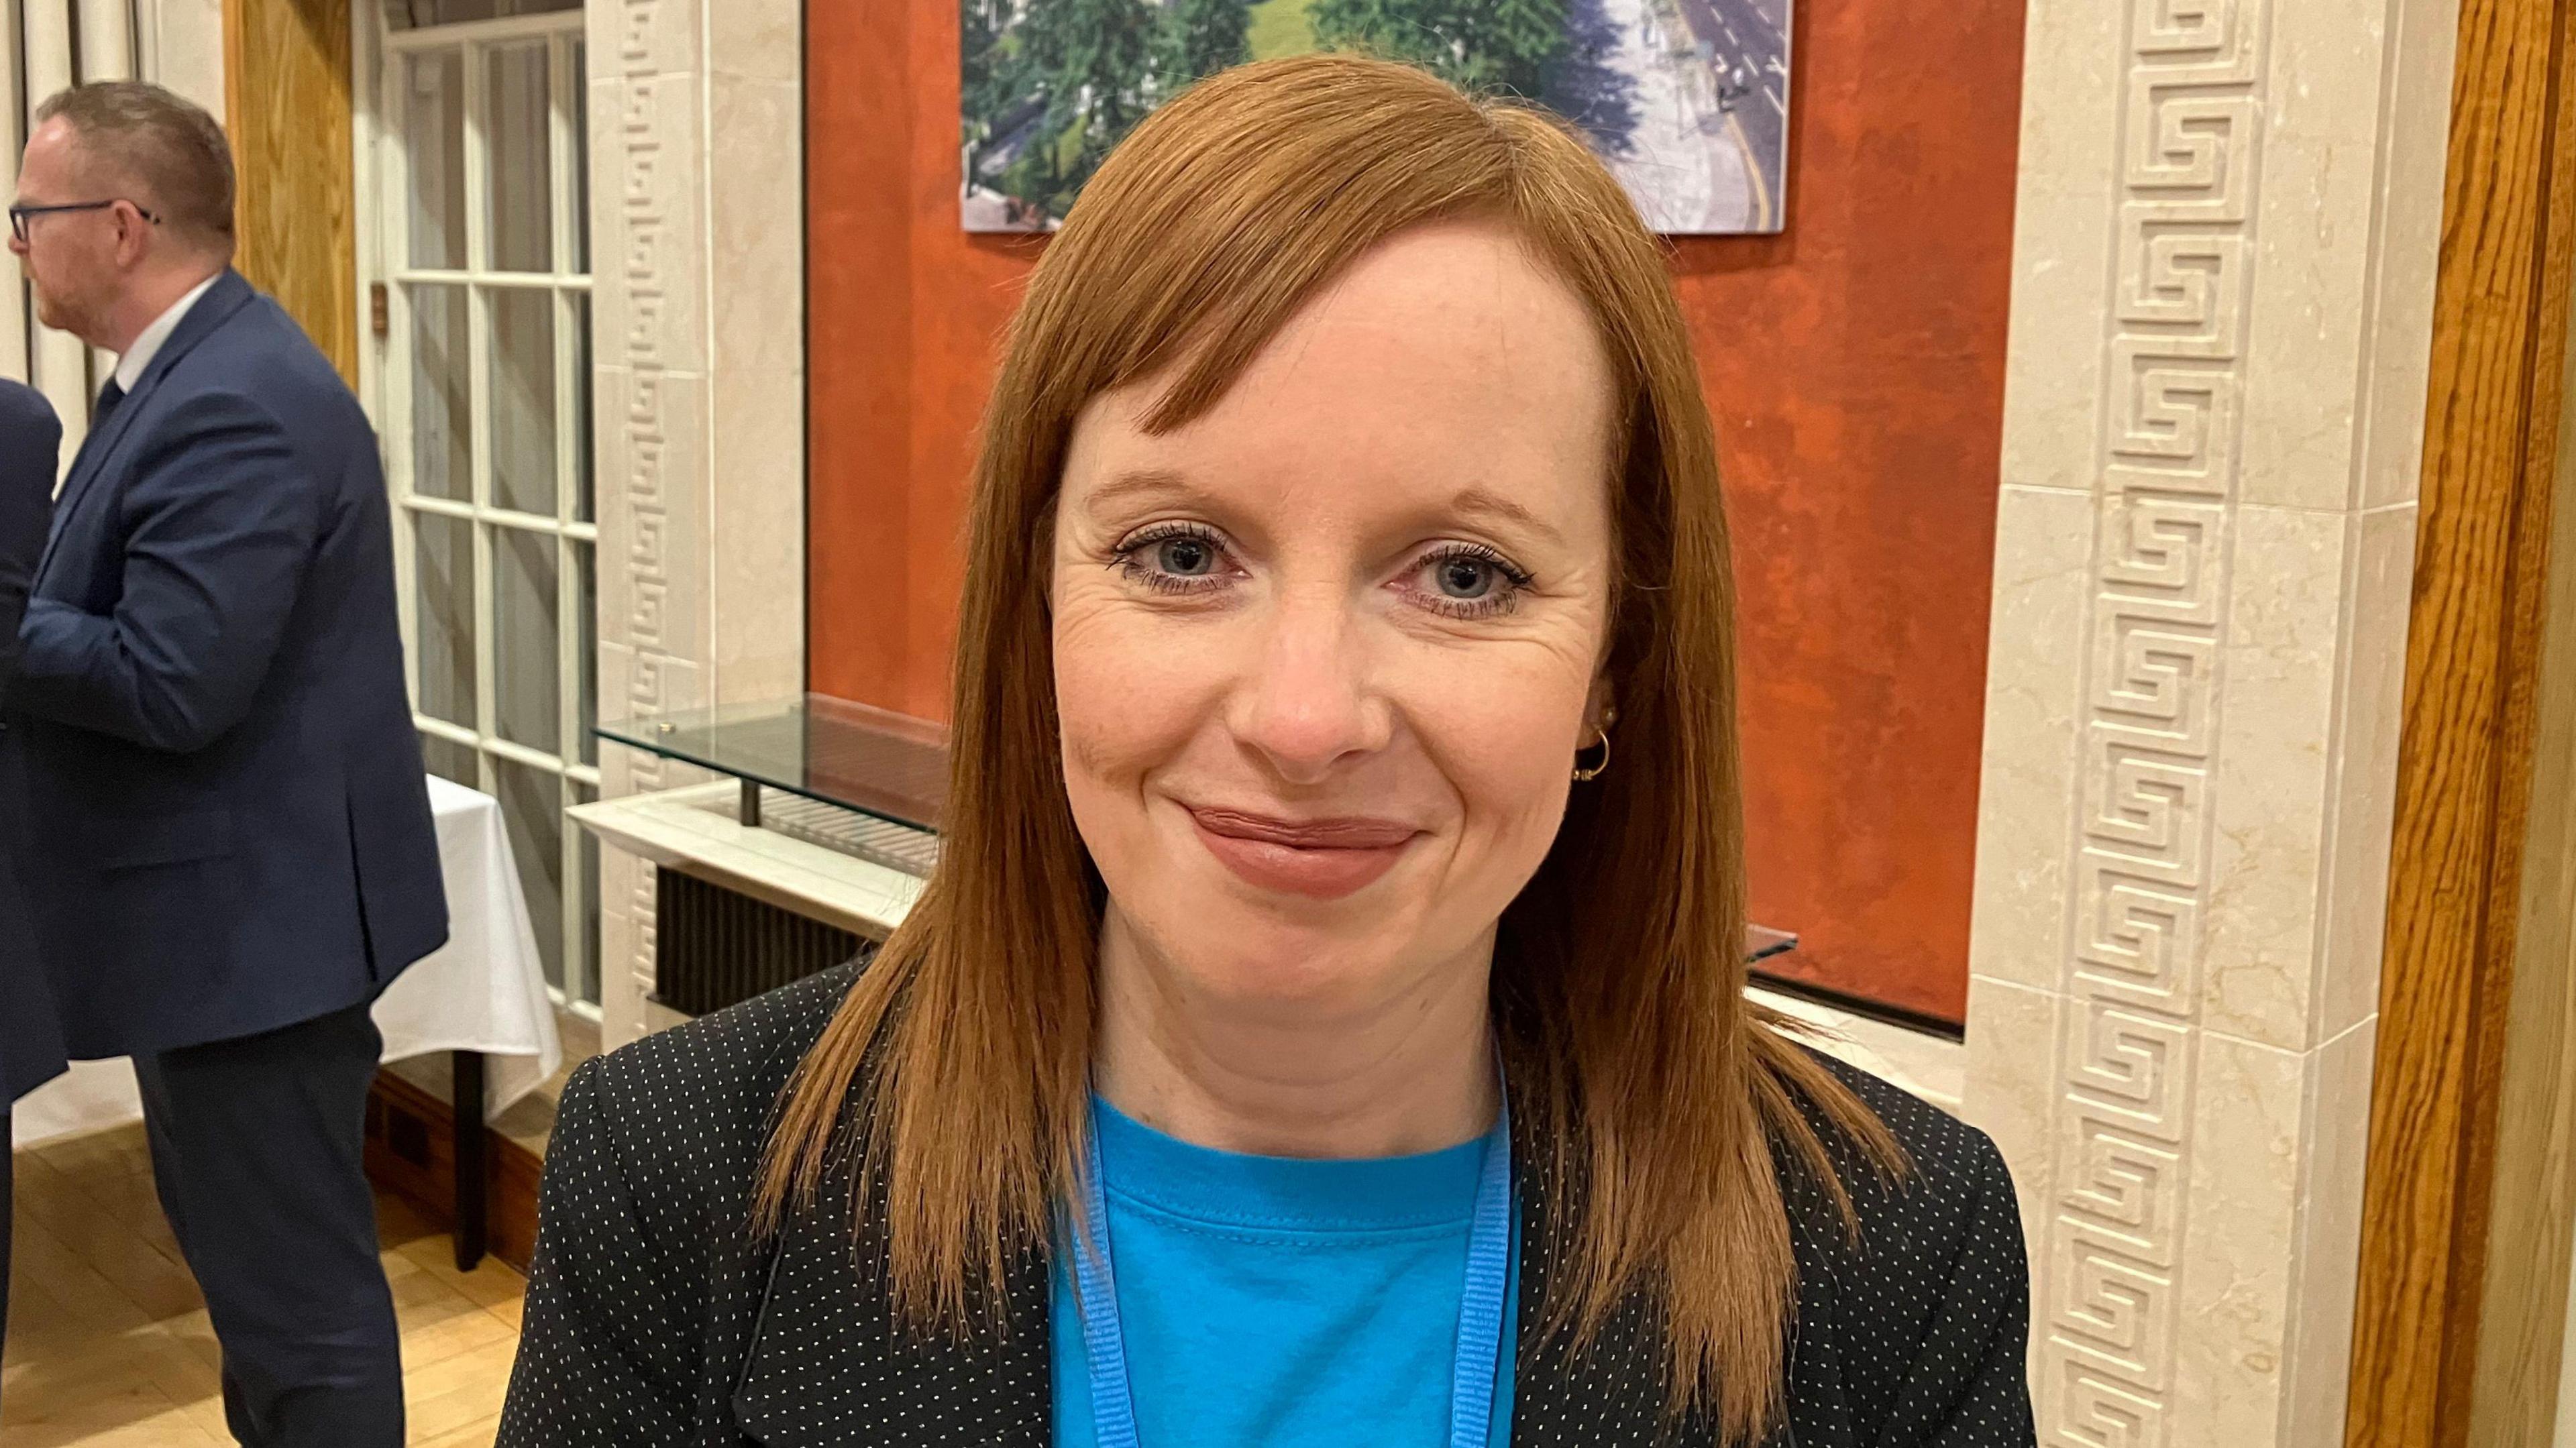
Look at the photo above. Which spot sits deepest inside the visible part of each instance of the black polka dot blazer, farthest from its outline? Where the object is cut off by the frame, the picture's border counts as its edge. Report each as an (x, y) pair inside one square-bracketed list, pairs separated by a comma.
[(653, 1318)]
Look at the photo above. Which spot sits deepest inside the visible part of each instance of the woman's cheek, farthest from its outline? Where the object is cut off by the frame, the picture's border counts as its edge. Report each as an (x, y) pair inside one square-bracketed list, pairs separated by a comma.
[(1505, 738), (1127, 694)]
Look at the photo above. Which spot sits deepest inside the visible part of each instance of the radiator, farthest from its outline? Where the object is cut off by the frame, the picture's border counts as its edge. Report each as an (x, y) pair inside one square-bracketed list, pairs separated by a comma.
[(714, 947)]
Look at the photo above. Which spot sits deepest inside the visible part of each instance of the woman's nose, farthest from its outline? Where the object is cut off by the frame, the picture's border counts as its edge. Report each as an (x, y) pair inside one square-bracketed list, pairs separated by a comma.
[(1305, 703)]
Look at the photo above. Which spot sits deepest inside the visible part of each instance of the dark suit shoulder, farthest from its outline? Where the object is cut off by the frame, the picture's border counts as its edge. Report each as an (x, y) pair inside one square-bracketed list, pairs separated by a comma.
[(259, 351), (254, 373), (22, 406), (30, 441), (252, 350)]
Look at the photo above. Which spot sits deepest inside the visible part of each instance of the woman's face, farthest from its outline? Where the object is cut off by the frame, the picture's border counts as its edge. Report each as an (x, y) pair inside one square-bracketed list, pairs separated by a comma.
[(1325, 655)]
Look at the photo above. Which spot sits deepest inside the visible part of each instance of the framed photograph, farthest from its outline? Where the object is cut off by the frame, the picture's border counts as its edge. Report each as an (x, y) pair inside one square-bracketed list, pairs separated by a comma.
[(1687, 101)]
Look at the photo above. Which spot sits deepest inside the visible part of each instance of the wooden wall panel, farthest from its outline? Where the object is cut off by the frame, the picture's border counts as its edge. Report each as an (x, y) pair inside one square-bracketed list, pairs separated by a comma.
[(411, 1150), (2531, 1223), (2464, 765), (286, 102)]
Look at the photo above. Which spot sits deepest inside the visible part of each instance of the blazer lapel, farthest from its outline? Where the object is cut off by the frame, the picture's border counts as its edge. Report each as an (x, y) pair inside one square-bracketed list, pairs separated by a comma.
[(1607, 1391), (227, 296), (829, 1363)]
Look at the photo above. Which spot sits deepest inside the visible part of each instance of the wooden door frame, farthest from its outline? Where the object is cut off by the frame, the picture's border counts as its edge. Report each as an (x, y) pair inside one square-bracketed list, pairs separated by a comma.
[(2522, 1318), (288, 105), (2463, 1275)]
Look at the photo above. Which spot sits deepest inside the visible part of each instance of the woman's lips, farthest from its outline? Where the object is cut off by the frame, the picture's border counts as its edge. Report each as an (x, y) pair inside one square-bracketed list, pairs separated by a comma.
[(1323, 859)]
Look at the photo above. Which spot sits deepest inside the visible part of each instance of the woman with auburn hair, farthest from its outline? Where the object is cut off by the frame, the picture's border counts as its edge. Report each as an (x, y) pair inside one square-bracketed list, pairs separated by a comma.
[(1326, 1021)]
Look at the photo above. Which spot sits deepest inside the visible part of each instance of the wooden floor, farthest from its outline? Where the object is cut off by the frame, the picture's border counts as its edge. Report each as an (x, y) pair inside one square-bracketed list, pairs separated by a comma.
[(108, 1340)]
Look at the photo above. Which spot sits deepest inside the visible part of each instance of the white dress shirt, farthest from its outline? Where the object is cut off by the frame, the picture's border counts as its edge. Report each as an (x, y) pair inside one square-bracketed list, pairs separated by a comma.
[(148, 342)]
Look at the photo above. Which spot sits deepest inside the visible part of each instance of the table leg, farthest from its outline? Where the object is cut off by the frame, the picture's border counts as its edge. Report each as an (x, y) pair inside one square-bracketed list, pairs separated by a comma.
[(472, 1209)]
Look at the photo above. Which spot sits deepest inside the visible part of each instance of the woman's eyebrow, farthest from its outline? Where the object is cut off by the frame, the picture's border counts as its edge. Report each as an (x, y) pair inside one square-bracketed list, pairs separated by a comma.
[(1479, 502), (1147, 483), (1169, 485)]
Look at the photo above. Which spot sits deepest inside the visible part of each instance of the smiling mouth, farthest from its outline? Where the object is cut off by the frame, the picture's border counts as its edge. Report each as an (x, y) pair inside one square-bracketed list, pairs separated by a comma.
[(1322, 859)]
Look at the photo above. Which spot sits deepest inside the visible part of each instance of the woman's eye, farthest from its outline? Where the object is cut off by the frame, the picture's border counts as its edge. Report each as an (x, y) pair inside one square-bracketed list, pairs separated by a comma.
[(1465, 579), (1182, 558), (1467, 582), (1185, 557)]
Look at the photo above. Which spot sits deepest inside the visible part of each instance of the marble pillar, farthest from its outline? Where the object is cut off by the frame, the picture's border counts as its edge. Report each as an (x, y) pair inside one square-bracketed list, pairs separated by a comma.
[(2224, 257), (697, 214)]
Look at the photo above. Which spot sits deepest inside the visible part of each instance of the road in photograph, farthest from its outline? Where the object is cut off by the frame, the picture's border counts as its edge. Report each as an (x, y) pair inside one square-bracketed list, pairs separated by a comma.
[(1748, 49), (1683, 167)]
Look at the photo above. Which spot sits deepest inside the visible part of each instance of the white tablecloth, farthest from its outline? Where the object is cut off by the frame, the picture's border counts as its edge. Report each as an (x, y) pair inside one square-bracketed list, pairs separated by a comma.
[(485, 990)]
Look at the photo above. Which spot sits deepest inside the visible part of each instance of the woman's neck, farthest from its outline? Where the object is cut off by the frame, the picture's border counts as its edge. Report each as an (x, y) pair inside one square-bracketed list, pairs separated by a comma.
[(1410, 1071)]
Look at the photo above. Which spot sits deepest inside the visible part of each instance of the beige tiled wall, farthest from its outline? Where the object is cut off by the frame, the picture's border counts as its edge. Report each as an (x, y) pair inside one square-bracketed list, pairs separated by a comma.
[(697, 159), (2224, 255)]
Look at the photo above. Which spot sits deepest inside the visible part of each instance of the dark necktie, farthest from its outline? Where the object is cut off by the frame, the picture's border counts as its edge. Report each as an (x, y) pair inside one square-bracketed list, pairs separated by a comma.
[(108, 397)]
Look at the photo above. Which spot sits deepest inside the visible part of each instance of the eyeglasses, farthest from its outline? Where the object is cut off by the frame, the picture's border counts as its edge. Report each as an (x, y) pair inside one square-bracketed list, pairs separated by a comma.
[(19, 216)]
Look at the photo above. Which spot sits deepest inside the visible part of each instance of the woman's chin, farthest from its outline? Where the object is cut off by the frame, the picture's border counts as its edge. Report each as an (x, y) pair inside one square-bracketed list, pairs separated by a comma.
[(1228, 952)]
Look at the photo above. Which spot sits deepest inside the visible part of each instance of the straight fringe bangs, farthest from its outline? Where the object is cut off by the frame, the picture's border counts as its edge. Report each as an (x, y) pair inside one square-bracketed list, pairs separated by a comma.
[(955, 1078)]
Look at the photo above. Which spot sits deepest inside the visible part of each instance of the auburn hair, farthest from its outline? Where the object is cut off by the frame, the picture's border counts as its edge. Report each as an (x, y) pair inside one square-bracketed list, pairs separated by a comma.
[(959, 1064)]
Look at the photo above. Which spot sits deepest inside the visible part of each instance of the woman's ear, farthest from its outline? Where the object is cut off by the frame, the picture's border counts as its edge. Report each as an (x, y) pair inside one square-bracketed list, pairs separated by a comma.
[(1600, 708)]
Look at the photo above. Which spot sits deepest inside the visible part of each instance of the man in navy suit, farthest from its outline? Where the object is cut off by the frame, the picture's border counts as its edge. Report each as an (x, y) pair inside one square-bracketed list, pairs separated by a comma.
[(236, 847), (31, 1050)]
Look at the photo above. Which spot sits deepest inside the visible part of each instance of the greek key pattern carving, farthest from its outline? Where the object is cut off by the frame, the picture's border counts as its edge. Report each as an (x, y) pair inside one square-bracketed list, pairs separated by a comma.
[(2116, 1208), (645, 492)]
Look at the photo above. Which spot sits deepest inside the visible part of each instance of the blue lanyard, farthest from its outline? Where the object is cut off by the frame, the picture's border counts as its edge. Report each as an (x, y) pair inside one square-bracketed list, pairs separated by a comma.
[(1480, 1308)]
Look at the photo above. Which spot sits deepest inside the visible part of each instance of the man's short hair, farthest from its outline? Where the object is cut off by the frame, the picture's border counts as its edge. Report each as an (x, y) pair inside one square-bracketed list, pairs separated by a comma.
[(169, 146)]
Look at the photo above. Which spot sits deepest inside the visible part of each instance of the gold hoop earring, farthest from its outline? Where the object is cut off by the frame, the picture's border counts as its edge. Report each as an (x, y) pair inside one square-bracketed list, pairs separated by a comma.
[(1594, 772)]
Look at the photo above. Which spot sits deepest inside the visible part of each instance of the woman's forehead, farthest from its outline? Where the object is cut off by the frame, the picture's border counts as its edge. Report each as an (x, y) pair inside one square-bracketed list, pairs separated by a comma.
[(1447, 358)]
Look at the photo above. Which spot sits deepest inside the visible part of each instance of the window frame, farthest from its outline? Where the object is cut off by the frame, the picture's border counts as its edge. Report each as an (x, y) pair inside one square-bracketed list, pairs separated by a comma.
[(381, 58)]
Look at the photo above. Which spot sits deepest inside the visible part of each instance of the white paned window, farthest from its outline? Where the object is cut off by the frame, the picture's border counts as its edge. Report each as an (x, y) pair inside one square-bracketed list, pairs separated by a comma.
[(482, 247), (46, 45)]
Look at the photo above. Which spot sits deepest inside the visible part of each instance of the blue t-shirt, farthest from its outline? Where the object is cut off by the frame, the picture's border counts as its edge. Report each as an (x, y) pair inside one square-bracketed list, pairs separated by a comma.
[(1280, 1303)]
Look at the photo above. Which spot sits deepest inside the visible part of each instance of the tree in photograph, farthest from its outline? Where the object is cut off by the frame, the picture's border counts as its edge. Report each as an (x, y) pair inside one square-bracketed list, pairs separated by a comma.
[(1406, 30), (1479, 45), (1512, 42), (1092, 61), (1199, 38), (992, 78)]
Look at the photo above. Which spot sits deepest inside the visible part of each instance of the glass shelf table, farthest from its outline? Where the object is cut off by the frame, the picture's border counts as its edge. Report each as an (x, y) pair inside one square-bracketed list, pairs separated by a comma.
[(829, 750)]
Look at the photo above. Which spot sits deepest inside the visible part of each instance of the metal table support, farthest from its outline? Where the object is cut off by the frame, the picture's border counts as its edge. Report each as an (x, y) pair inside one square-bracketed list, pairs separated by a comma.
[(473, 1207)]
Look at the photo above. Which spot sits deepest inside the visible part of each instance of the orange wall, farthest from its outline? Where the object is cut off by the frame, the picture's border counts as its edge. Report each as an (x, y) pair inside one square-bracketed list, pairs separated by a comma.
[(905, 314), (1854, 364)]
